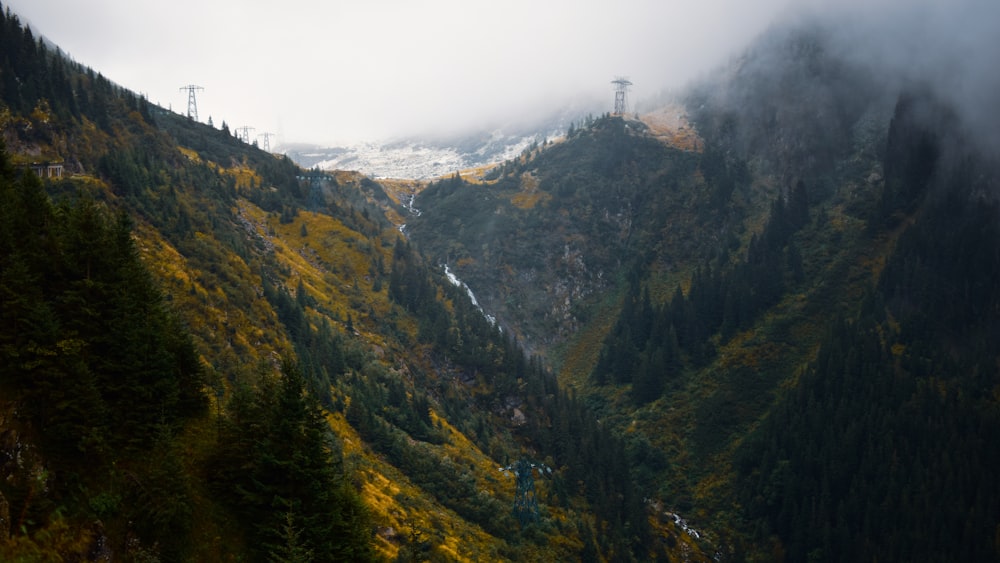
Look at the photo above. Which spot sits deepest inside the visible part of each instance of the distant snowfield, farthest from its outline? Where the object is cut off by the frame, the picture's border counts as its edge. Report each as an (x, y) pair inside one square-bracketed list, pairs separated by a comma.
[(421, 160), (409, 161)]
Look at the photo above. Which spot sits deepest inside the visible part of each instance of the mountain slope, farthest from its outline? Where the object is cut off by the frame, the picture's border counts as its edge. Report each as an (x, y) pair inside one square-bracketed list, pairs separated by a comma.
[(551, 234), (908, 379), (351, 401), (708, 305), (773, 338)]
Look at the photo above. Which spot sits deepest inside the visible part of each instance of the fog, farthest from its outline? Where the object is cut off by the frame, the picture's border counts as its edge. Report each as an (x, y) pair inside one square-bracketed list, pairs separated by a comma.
[(363, 70), (950, 48), (356, 70)]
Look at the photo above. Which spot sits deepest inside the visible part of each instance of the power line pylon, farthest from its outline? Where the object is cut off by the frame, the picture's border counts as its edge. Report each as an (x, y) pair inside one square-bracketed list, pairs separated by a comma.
[(266, 136), (243, 133), (192, 103), (621, 94), (525, 503)]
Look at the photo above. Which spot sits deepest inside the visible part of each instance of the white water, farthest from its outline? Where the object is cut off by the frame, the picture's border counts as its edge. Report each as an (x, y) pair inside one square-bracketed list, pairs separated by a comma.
[(472, 297), (682, 524), (408, 205)]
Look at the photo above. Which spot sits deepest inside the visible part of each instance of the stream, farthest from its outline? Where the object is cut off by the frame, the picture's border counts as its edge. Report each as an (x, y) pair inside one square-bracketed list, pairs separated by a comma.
[(459, 283)]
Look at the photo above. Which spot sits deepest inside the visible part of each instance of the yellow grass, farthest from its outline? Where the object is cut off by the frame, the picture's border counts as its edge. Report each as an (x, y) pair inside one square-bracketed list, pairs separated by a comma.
[(400, 189), (476, 175), (250, 334), (670, 125), (192, 155), (383, 486), (530, 195)]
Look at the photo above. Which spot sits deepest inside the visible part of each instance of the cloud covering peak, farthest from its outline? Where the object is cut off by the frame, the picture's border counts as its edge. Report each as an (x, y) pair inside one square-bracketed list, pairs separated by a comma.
[(354, 70)]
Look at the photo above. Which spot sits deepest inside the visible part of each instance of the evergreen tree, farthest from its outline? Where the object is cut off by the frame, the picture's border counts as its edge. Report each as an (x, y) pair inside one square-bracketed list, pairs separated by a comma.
[(277, 468)]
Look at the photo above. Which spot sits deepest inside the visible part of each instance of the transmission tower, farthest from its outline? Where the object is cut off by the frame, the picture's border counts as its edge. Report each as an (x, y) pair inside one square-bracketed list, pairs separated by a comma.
[(243, 133), (266, 145), (621, 94), (525, 503), (192, 103)]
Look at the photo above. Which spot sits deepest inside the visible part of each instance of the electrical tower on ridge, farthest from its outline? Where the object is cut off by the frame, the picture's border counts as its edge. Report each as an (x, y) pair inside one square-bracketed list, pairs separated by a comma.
[(621, 94), (244, 133), (266, 136), (192, 103)]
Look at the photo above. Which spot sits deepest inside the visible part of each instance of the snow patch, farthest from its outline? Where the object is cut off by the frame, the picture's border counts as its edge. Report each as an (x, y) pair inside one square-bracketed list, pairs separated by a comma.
[(415, 159)]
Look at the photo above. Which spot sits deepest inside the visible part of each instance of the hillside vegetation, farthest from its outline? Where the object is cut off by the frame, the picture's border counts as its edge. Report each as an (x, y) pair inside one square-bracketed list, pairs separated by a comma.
[(210, 353), (787, 323), (767, 336)]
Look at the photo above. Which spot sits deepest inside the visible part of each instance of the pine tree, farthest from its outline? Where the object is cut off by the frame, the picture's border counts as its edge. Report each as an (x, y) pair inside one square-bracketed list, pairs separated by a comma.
[(276, 461), (290, 549)]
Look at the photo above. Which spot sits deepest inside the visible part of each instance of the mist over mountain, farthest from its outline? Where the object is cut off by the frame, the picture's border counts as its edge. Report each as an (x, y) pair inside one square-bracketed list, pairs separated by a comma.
[(783, 294), (884, 47), (881, 48), (754, 320), (356, 71)]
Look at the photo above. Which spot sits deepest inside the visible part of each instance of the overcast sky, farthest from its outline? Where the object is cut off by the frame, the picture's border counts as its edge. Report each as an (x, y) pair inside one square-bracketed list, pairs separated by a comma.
[(343, 71), (359, 70)]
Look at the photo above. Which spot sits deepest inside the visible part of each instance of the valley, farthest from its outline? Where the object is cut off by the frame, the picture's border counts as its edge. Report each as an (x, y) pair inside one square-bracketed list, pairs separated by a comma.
[(753, 324)]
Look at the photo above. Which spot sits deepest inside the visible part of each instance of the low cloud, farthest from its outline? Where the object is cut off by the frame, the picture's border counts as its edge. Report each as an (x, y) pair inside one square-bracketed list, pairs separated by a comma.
[(358, 70), (949, 48)]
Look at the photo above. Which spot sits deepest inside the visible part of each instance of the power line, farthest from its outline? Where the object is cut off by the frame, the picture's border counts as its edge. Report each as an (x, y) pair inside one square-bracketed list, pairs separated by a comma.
[(192, 103), (525, 503), (243, 133), (266, 145)]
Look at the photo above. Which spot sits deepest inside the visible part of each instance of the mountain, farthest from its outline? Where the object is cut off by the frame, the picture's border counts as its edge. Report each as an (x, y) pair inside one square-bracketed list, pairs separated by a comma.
[(756, 324), (787, 317), (211, 353)]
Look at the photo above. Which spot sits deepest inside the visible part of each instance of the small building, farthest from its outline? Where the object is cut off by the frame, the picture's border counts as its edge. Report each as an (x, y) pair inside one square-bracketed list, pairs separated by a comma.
[(47, 169)]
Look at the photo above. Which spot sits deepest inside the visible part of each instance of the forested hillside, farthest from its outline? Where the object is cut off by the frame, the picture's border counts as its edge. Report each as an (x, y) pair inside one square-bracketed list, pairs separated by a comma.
[(212, 354), (772, 341), (553, 233), (885, 445), (789, 323)]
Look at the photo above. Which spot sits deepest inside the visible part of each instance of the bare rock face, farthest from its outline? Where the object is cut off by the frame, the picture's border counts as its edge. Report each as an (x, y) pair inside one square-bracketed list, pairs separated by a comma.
[(518, 417)]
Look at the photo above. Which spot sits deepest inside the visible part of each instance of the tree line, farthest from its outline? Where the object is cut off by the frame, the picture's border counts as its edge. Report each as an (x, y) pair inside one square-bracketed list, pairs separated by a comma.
[(650, 344), (883, 449)]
